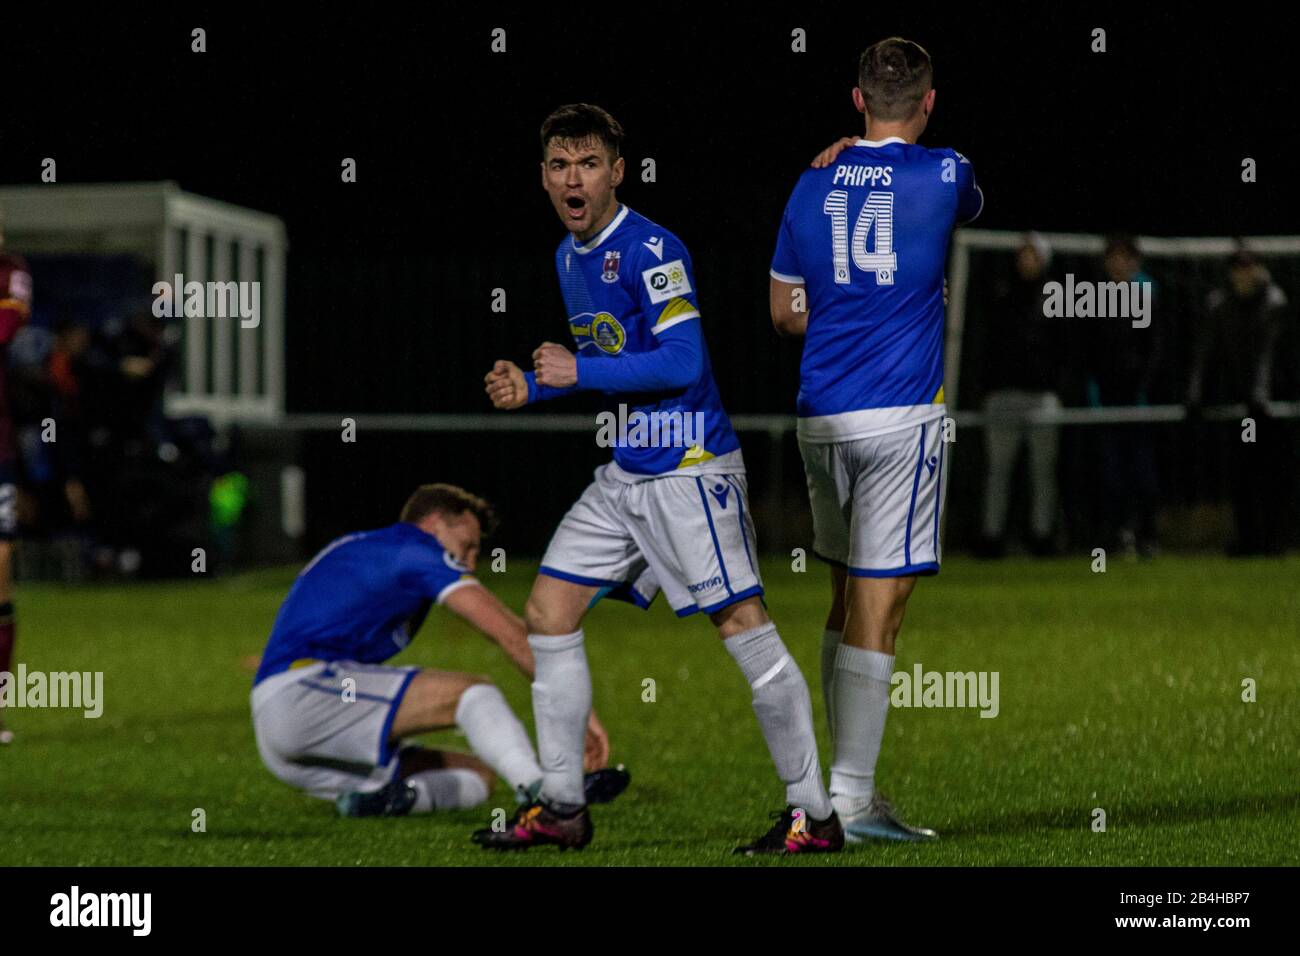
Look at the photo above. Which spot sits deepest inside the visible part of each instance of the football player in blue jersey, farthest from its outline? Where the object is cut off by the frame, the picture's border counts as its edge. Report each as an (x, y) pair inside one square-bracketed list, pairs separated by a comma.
[(858, 272), (669, 512), (330, 718)]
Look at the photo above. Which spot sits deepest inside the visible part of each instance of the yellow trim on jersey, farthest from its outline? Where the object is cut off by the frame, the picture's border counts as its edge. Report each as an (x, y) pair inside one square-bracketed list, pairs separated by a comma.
[(303, 662), (676, 307), (694, 455), (18, 305), (938, 397)]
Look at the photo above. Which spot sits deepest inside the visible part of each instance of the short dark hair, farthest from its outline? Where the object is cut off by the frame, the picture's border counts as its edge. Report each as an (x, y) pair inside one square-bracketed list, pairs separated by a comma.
[(1121, 244), (448, 500), (1244, 259), (894, 75), (580, 122)]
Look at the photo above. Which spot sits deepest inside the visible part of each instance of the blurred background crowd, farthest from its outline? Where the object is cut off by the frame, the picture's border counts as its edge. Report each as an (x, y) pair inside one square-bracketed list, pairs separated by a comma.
[(1231, 340)]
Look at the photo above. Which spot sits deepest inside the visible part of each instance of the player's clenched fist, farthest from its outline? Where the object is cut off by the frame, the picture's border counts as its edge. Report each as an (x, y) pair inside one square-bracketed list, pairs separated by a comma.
[(555, 366), (506, 385)]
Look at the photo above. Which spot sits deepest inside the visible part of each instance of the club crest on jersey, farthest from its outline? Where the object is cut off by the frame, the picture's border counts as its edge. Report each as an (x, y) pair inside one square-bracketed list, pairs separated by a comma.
[(610, 272), (453, 563), (601, 330)]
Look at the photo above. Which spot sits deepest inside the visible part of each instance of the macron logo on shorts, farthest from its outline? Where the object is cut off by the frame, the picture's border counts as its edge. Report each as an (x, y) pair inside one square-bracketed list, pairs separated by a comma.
[(720, 493)]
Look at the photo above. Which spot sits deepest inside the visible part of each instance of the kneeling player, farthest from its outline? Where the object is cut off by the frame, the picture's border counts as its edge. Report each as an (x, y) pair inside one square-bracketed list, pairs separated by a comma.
[(330, 718)]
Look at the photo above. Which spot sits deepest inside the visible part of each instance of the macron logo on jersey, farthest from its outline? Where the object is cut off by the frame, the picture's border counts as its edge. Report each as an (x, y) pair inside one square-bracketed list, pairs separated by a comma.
[(656, 245), (666, 281)]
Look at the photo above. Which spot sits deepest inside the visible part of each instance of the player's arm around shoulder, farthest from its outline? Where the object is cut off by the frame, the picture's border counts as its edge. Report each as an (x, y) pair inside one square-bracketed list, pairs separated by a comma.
[(486, 613), (970, 198), (787, 289), (789, 304)]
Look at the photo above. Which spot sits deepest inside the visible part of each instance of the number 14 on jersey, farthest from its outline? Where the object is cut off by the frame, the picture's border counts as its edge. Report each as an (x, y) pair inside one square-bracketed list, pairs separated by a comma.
[(877, 211)]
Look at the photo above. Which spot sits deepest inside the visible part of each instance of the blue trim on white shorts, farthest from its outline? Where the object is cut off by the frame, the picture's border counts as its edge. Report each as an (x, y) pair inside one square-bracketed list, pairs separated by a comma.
[(578, 578), (740, 506), (385, 748), (736, 598), (626, 592), (337, 692), (717, 548), (938, 500), (617, 590), (925, 567), (911, 507)]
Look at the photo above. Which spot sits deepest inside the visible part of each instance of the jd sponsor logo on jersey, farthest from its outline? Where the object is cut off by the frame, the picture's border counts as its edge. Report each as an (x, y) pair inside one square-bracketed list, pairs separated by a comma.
[(699, 586), (665, 281), (610, 271), (601, 330)]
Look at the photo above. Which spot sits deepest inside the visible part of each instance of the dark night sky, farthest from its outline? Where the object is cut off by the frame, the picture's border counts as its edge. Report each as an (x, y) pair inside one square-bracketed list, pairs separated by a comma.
[(1147, 137)]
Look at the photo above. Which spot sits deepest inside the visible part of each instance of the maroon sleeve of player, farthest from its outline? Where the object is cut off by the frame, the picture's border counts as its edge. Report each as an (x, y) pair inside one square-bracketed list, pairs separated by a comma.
[(15, 296)]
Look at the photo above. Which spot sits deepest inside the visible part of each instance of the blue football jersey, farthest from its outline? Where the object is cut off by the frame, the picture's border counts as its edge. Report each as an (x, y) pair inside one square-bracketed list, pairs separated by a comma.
[(622, 288), (868, 237), (362, 598)]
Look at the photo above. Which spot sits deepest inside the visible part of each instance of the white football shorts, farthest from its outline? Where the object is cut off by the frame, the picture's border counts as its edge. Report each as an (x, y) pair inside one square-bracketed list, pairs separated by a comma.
[(318, 734), (876, 501), (690, 535)]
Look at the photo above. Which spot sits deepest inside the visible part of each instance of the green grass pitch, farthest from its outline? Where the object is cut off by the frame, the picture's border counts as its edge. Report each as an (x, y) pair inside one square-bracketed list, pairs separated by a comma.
[(1120, 691)]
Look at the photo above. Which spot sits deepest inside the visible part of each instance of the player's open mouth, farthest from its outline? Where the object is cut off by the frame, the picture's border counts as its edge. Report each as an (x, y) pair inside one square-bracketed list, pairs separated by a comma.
[(577, 206)]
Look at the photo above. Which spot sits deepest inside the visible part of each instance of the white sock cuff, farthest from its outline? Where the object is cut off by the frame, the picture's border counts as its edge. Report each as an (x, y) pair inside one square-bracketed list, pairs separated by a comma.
[(453, 788), (475, 694), (544, 643), (857, 660)]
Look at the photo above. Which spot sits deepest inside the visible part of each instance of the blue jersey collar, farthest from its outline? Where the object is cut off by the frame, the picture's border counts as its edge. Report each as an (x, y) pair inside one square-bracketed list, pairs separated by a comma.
[(601, 236)]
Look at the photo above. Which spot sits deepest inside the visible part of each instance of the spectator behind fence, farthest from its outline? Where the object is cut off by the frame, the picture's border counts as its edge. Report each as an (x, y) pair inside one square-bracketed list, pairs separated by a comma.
[(1233, 363), (1123, 362), (1024, 365), (45, 396)]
